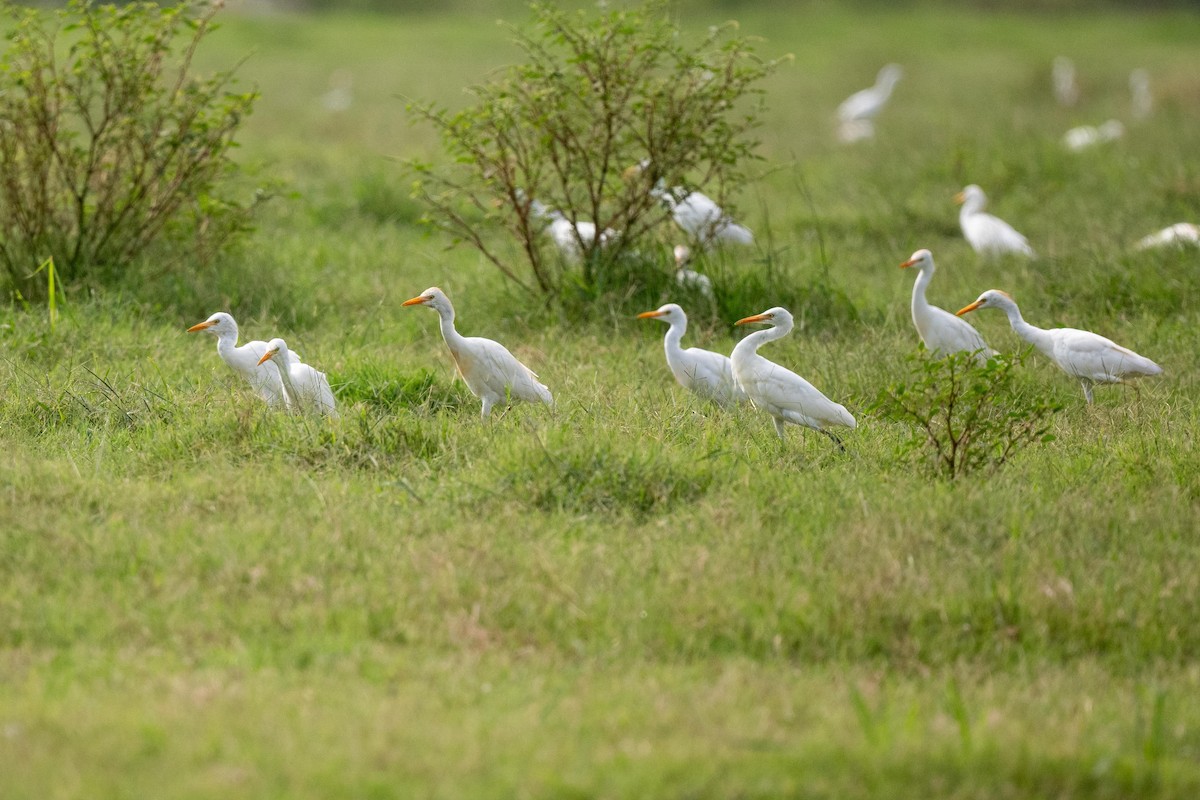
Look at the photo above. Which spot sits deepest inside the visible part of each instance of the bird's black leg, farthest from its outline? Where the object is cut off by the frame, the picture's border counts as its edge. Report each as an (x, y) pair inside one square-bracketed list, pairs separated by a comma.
[(841, 447)]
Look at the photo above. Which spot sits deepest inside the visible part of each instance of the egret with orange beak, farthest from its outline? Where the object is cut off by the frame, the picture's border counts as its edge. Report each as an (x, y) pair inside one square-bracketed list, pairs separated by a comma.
[(244, 360), (307, 388), (493, 374), (703, 372), (1086, 356), (777, 390)]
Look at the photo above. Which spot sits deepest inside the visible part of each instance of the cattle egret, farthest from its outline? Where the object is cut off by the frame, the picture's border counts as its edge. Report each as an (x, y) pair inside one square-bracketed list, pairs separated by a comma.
[(696, 214), (942, 332), (493, 374), (1086, 136), (571, 238), (307, 388), (1142, 101), (1084, 355), (689, 278), (1178, 235), (857, 112), (778, 391), (1066, 90), (244, 360), (707, 374), (987, 235)]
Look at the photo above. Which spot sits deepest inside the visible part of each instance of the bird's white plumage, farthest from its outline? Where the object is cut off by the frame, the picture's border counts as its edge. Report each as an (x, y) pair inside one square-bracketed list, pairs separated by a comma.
[(703, 372), (263, 378), (777, 390), (1066, 90), (491, 372), (705, 222), (1178, 235), (307, 388), (689, 278), (571, 238), (1085, 136), (941, 331), (1141, 98), (1086, 356), (857, 112), (988, 235)]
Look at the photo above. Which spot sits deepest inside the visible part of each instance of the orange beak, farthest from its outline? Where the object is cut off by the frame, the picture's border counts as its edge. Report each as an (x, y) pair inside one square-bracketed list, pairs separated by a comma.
[(650, 314), (969, 308), (755, 318), (908, 263), (267, 356), (414, 301), (201, 326), (960, 197)]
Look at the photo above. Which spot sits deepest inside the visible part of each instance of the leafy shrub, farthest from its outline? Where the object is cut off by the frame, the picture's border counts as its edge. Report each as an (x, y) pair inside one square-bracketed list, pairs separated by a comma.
[(598, 93), (966, 415), (108, 141)]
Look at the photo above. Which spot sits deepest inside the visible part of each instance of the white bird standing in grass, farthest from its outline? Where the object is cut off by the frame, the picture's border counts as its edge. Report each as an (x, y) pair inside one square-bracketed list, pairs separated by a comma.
[(1084, 355), (307, 388), (1085, 136), (942, 332), (707, 374), (571, 238), (987, 235), (1062, 75), (244, 360), (1142, 100), (493, 374), (856, 114), (778, 391), (1180, 235), (696, 214), (689, 278)]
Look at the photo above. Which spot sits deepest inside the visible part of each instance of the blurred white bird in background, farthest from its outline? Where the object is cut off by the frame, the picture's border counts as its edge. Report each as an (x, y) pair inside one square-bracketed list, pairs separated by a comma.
[(493, 374), (244, 360), (703, 372), (1181, 234), (1085, 136), (689, 278), (987, 235), (856, 114), (777, 390), (706, 223), (571, 238), (942, 332), (340, 96), (1084, 355), (1062, 75), (1141, 100), (307, 388)]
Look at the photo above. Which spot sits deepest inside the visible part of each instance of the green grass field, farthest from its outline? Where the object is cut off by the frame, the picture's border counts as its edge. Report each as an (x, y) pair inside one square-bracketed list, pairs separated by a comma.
[(636, 595)]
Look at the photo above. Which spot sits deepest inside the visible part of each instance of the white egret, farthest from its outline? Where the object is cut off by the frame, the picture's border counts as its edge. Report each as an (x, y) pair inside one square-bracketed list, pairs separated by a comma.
[(1085, 136), (493, 374), (244, 360), (707, 374), (987, 235), (1178, 235), (778, 391), (1084, 355), (1142, 100), (689, 278), (1066, 90), (571, 238), (941, 331), (857, 112), (307, 388), (696, 214)]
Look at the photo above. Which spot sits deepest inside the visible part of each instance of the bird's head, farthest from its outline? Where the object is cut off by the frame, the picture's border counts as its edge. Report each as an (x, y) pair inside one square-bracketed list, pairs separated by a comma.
[(274, 348), (433, 297), (219, 324), (922, 259), (777, 317), (992, 298), (683, 254), (670, 313), (972, 194), (637, 169), (890, 74)]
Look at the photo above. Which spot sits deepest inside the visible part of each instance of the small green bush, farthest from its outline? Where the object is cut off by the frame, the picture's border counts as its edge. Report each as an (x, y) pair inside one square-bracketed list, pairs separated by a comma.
[(965, 415), (108, 140)]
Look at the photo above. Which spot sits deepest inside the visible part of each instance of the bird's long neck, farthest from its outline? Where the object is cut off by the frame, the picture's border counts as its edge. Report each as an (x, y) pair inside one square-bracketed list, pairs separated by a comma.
[(918, 294), (671, 343), (285, 374), (751, 343), (1030, 333), (227, 341), (449, 332), (970, 207)]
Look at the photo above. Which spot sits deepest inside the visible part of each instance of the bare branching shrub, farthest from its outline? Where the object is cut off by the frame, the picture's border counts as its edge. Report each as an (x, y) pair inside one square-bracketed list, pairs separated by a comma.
[(598, 92), (109, 141), (966, 415)]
